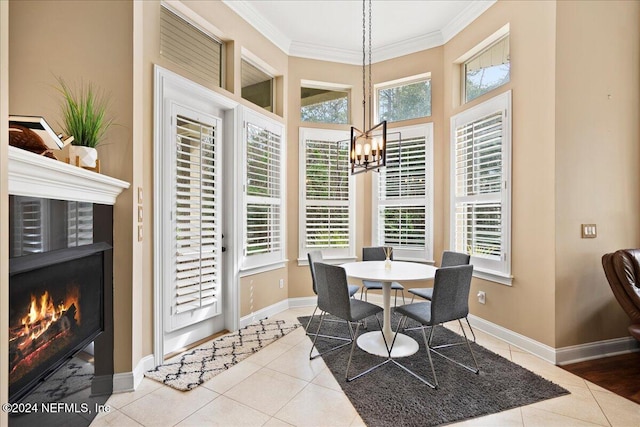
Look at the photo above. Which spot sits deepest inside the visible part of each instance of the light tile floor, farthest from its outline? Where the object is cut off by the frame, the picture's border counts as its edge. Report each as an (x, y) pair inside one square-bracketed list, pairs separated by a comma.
[(280, 386)]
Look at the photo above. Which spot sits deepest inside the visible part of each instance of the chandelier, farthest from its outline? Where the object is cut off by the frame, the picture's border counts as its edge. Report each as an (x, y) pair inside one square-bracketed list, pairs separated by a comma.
[(368, 147)]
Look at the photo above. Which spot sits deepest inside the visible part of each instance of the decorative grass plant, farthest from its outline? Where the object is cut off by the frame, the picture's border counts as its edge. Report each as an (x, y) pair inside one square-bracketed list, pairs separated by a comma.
[(85, 113)]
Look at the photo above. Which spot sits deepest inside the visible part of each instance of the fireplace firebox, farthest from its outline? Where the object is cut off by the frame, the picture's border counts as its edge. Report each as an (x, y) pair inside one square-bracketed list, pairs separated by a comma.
[(56, 310)]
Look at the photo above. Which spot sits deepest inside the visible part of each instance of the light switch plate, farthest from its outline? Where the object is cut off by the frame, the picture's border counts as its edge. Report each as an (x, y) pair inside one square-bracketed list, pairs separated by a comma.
[(139, 213), (140, 233), (589, 231), (139, 194)]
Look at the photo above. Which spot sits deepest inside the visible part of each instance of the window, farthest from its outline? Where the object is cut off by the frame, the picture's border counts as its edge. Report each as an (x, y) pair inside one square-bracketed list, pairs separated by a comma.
[(257, 86), (327, 194), (487, 70), (263, 192), (403, 194), (320, 105), (190, 47), (481, 187), (404, 99)]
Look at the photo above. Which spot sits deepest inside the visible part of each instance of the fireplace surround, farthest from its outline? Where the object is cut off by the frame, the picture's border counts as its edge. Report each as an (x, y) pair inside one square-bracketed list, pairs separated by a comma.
[(60, 288)]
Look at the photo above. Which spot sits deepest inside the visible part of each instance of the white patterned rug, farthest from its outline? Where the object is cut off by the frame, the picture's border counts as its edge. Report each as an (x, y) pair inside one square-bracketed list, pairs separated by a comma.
[(189, 370)]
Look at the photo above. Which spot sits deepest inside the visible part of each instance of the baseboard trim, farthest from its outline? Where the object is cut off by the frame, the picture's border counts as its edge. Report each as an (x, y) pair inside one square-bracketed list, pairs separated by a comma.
[(264, 312), (128, 381), (596, 350), (534, 347)]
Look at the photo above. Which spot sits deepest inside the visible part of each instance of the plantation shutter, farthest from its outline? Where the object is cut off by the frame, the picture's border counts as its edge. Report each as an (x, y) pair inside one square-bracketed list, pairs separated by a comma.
[(263, 194), (327, 213), (478, 186), (79, 223), (197, 254), (403, 194), (30, 228), (189, 46)]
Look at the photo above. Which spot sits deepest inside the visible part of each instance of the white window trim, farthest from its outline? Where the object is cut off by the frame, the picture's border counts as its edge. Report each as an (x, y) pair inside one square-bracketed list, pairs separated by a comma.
[(424, 255), (331, 256), (395, 83), (337, 87), (496, 271), (273, 260), (256, 61), (477, 49)]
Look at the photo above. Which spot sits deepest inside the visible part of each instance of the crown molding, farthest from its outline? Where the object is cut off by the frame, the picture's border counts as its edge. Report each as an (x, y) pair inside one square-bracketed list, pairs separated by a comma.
[(327, 53), (257, 21), (464, 18)]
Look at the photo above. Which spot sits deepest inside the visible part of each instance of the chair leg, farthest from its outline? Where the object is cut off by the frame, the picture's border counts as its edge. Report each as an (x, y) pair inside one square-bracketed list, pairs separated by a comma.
[(466, 340), (317, 334), (427, 348), (310, 318), (353, 346), (471, 329)]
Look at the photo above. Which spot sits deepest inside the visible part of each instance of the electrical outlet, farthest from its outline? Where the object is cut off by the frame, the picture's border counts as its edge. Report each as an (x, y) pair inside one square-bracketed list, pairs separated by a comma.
[(482, 297), (281, 283)]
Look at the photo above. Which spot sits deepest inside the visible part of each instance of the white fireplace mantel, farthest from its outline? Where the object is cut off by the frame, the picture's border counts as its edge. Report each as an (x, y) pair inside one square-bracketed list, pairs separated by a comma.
[(38, 176)]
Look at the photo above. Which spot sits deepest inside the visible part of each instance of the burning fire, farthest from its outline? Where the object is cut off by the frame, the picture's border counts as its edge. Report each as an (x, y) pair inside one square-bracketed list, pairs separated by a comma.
[(43, 312)]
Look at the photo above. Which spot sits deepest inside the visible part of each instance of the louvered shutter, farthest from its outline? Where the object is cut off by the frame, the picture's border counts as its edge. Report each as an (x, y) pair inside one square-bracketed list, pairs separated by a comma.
[(190, 47), (30, 226), (326, 194), (263, 242), (79, 223), (478, 186), (197, 253), (404, 207)]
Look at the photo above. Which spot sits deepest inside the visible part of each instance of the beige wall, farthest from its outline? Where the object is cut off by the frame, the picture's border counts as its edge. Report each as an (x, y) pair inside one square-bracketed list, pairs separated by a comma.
[(597, 161), (527, 307), (4, 207), (97, 47)]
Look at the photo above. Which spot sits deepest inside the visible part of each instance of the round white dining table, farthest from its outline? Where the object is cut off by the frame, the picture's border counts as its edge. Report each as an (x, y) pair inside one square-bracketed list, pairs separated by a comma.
[(374, 342)]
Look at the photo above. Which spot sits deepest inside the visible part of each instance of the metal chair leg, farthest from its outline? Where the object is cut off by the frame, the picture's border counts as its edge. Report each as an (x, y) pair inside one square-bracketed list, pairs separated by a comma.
[(317, 334), (369, 370), (433, 371)]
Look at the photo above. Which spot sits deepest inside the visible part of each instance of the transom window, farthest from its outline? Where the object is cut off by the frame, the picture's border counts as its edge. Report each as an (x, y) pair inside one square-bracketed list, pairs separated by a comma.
[(257, 85), (191, 47), (489, 69), (324, 105), (404, 99)]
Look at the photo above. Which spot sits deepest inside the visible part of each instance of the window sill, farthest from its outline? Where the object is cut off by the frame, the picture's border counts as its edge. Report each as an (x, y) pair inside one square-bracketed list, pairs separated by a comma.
[(328, 260), (493, 276), (249, 271)]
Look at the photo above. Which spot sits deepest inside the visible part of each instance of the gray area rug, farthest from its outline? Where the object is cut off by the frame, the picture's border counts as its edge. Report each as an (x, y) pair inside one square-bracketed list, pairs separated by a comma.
[(390, 396), (189, 370)]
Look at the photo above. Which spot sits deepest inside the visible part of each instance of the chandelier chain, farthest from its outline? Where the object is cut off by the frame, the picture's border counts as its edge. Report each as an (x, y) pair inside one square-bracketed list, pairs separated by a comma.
[(364, 55), (370, 81)]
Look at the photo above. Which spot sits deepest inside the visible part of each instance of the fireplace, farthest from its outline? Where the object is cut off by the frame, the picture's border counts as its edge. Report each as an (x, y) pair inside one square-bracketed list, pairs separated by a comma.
[(56, 309), (61, 262)]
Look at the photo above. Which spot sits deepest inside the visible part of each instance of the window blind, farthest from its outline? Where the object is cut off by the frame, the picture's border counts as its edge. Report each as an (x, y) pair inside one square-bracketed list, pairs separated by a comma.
[(402, 194), (478, 186), (263, 190), (196, 221), (190, 47), (79, 223), (326, 194)]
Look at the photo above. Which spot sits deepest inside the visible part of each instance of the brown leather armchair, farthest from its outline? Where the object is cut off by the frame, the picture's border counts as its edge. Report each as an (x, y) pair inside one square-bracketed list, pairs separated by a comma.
[(622, 269)]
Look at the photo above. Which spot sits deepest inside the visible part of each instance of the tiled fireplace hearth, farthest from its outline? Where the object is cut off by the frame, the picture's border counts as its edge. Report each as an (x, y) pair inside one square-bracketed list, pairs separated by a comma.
[(60, 346)]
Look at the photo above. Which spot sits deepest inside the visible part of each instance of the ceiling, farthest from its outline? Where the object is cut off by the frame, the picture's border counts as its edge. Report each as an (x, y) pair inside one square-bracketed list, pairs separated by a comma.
[(332, 30)]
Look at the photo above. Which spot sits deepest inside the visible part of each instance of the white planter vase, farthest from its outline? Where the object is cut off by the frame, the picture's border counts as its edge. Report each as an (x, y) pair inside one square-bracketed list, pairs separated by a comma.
[(87, 155)]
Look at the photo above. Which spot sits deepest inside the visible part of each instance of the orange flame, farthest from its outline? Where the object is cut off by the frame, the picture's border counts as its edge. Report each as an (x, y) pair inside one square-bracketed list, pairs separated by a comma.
[(43, 312)]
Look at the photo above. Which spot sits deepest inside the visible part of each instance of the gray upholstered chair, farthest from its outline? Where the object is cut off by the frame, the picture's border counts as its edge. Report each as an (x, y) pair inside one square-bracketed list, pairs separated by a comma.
[(449, 259), (333, 298), (314, 257), (450, 301), (377, 253)]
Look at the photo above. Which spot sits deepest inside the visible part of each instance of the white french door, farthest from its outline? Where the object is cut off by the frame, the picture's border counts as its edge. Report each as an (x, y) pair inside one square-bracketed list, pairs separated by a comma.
[(195, 283)]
